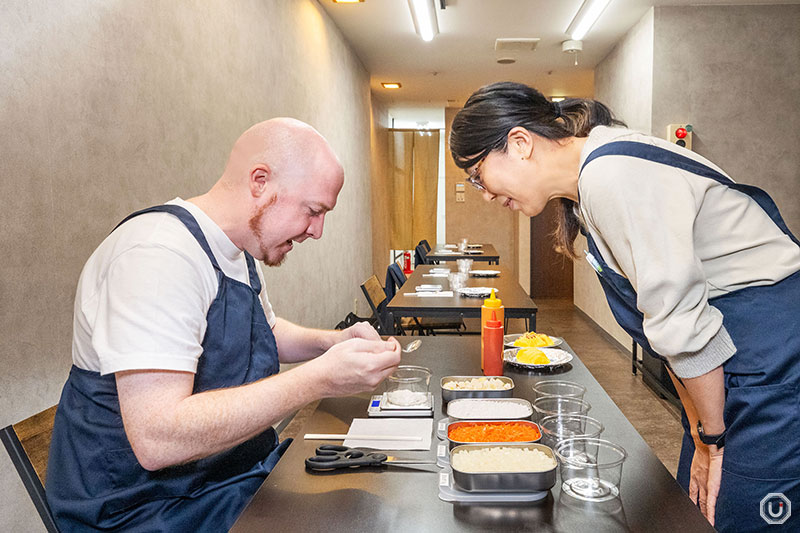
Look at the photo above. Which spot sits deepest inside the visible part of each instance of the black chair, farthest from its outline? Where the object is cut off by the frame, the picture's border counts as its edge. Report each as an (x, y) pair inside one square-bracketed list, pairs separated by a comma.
[(377, 300), (28, 445), (394, 280), (420, 255), (424, 242)]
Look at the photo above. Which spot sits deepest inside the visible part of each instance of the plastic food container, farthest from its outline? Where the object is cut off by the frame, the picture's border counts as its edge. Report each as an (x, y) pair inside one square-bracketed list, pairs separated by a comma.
[(408, 385), (557, 405), (461, 423), (458, 409), (591, 468), (450, 394), (556, 428), (558, 387), (505, 481)]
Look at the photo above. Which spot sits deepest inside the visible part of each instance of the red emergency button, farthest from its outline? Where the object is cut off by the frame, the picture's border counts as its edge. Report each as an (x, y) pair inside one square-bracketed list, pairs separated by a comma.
[(680, 133)]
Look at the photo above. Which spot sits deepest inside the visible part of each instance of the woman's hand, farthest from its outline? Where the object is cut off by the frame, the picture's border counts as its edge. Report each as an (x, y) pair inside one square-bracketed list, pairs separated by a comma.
[(705, 477)]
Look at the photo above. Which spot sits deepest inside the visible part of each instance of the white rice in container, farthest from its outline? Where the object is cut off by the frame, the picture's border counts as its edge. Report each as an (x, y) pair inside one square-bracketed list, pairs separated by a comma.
[(502, 459), (487, 409), (478, 384)]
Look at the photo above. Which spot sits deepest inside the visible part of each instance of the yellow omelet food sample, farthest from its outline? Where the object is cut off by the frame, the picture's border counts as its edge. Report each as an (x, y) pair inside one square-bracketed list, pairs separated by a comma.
[(533, 340), (532, 356)]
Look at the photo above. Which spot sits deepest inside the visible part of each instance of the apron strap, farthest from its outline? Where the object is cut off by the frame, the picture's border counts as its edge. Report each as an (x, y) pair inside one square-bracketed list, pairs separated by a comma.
[(191, 224), (255, 283), (657, 154)]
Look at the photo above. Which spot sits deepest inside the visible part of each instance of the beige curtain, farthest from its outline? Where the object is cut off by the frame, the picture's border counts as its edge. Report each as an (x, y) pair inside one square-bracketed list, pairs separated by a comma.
[(414, 157)]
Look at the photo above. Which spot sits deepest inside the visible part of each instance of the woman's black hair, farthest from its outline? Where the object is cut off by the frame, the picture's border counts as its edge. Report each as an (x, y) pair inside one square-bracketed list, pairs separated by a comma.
[(483, 124)]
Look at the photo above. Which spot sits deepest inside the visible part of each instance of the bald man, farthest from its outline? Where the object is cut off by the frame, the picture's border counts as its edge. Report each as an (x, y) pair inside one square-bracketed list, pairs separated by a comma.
[(165, 422)]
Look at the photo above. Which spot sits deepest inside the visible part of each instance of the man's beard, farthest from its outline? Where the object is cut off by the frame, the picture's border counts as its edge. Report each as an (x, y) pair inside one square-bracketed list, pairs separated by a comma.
[(255, 226)]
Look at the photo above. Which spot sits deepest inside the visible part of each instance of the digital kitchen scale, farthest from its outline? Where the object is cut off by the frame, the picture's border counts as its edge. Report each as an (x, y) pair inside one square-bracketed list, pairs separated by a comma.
[(379, 407)]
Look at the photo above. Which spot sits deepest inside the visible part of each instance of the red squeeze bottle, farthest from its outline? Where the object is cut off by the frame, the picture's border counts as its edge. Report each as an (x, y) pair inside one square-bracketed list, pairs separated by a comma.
[(493, 347)]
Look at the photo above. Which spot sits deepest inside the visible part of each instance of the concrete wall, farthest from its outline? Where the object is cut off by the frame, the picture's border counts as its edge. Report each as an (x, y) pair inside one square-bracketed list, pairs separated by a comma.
[(381, 191), (108, 106), (733, 72), (624, 82), (476, 219)]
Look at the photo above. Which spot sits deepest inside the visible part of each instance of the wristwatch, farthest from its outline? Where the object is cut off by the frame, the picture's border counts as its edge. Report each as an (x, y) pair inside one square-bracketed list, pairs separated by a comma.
[(717, 440)]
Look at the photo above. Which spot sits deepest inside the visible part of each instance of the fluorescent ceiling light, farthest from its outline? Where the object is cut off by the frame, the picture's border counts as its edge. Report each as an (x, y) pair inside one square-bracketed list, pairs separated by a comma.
[(391, 85), (423, 12), (585, 18)]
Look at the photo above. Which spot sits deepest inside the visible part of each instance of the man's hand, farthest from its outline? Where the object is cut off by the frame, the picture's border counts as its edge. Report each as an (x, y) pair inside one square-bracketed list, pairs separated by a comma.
[(705, 478), (356, 365), (360, 330)]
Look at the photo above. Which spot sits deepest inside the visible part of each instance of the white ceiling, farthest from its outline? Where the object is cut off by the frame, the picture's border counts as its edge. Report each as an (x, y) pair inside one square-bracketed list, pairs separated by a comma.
[(446, 70)]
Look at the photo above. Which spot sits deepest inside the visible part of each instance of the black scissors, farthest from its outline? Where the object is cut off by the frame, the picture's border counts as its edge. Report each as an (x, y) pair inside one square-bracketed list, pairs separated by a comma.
[(332, 457)]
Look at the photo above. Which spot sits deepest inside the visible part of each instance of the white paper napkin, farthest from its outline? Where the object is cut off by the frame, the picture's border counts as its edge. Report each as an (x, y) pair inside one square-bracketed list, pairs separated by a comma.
[(435, 275), (440, 294), (407, 427)]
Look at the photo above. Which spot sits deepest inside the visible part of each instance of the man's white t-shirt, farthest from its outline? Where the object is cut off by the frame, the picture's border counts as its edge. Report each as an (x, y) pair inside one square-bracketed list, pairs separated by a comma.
[(143, 295)]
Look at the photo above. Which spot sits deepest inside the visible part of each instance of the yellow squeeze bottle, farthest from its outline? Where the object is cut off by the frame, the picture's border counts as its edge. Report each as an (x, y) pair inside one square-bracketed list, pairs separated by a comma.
[(491, 304)]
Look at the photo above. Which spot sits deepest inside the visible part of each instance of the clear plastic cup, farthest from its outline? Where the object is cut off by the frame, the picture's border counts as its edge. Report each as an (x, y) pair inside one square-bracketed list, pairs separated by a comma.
[(408, 385), (555, 387), (464, 265), (458, 280), (591, 468), (556, 428), (559, 405)]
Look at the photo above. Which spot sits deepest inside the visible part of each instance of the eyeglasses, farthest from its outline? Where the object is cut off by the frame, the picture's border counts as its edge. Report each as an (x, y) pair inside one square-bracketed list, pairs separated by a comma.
[(474, 177)]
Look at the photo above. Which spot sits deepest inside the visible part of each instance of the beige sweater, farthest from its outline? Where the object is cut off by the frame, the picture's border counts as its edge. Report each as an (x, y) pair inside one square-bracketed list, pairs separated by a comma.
[(680, 239)]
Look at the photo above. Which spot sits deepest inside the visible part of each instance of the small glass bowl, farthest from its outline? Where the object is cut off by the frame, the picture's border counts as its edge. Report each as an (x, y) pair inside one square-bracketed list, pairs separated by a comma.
[(556, 387), (557, 405), (408, 385), (591, 468), (556, 428)]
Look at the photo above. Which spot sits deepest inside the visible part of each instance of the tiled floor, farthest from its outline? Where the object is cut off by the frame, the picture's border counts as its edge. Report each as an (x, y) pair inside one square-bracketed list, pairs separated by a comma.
[(654, 418)]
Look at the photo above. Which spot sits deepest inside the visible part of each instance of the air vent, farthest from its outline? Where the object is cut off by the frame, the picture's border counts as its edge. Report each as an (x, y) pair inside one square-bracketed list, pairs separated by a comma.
[(516, 45)]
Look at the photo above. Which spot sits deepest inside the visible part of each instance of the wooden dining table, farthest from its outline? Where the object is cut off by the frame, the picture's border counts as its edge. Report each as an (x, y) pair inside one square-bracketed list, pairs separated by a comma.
[(371, 499), (486, 252), (516, 302)]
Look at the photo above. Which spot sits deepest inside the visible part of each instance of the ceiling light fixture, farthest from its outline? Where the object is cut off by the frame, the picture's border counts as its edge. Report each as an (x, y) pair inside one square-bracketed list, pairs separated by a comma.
[(347, 1), (585, 18), (391, 85), (557, 98), (423, 12)]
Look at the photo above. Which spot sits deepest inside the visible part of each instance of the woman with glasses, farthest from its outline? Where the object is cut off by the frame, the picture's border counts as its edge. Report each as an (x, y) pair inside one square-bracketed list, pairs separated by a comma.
[(698, 269)]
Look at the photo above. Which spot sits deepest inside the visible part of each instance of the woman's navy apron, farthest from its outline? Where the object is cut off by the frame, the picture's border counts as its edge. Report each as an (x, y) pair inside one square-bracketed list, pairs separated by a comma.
[(762, 405), (94, 480)]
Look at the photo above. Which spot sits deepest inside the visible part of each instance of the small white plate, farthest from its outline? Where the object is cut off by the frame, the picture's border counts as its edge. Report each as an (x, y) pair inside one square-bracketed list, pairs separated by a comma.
[(508, 341), (557, 358), (485, 273), (477, 292)]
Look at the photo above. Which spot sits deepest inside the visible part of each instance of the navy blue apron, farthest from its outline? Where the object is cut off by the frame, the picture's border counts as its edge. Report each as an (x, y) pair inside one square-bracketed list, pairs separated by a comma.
[(94, 481), (762, 379)]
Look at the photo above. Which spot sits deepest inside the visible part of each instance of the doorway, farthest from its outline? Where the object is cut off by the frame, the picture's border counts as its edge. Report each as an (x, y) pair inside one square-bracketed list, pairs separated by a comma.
[(551, 272)]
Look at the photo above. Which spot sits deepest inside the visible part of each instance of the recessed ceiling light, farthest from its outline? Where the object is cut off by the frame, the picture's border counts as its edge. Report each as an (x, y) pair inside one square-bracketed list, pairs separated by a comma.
[(391, 85)]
